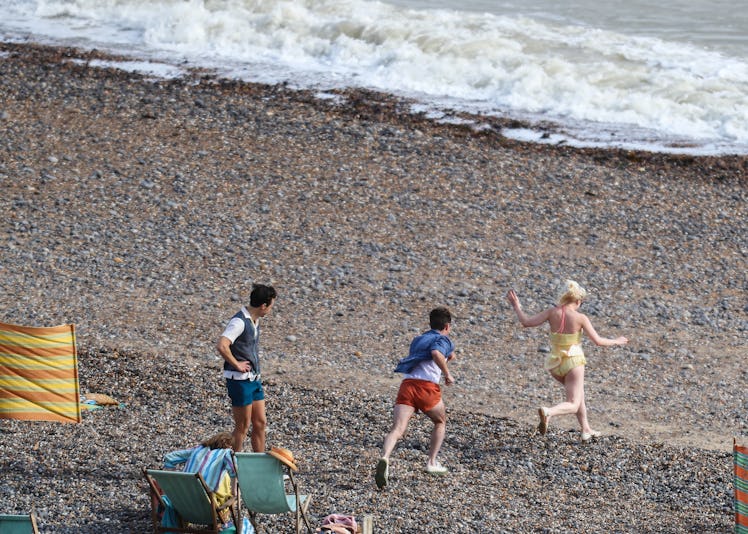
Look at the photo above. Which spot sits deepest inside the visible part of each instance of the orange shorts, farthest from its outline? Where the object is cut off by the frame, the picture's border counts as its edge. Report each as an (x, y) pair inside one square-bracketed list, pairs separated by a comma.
[(420, 394)]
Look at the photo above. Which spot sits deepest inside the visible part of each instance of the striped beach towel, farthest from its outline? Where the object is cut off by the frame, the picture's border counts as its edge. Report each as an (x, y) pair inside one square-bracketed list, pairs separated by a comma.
[(39, 374), (740, 459)]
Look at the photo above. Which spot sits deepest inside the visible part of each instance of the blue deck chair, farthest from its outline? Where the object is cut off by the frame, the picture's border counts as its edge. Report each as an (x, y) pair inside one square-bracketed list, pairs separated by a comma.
[(262, 488), (191, 499), (18, 524)]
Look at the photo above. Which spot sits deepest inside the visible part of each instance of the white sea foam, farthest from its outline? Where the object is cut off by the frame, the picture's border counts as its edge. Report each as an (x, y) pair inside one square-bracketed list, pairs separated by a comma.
[(589, 80), (149, 68)]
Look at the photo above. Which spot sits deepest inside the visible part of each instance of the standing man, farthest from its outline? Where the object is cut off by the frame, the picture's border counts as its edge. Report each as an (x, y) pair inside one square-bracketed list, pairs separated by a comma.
[(420, 390), (239, 346)]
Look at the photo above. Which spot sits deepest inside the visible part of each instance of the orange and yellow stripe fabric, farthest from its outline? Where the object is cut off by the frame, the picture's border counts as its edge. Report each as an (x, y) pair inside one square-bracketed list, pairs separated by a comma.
[(39, 373), (740, 459)]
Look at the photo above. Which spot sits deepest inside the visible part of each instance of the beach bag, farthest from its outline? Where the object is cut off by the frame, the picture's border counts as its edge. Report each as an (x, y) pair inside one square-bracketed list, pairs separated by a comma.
[(339, 524)]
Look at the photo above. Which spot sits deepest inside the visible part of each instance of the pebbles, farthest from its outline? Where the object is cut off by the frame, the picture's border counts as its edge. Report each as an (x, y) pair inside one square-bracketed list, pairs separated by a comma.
[(142, 212), (87, 478)]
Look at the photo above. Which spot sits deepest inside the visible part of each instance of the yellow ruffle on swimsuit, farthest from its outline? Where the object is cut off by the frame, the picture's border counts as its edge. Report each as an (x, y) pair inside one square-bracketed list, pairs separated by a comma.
[(566, 353)]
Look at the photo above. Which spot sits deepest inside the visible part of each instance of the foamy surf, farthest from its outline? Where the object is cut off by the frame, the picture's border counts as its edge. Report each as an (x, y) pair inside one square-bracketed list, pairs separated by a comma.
[(650, 93)]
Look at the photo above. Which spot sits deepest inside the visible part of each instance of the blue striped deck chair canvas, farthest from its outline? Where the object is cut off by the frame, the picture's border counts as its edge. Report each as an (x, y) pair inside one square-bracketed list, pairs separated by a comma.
[(39, 373), (740, 459)]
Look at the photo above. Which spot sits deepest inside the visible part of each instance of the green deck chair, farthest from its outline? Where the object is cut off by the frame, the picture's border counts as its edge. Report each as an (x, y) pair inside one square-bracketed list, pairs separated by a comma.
[(18, 524), (262, 488), (191, 498)]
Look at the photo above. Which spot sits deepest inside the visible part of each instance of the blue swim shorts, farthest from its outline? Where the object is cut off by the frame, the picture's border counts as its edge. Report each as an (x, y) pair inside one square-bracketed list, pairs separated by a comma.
[(244, 392)]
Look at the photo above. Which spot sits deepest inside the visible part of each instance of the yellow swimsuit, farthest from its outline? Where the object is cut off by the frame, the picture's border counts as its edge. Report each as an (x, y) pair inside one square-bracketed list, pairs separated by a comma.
[(566, 351)]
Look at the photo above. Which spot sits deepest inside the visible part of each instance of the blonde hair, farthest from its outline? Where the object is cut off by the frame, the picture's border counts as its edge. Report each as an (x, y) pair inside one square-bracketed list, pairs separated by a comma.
[(222, 440), (571, 292)]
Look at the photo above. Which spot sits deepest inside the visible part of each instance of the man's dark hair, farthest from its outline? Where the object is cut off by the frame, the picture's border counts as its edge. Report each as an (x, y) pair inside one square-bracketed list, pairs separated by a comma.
[(439, 318), (261, 294)]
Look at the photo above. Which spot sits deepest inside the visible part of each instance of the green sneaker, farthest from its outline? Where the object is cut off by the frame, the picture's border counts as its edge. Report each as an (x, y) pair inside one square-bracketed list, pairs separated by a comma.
[(382, 473)]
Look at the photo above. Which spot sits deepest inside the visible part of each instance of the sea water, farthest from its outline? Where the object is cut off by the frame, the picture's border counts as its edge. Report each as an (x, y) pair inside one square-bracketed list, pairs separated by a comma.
[(669, 76)]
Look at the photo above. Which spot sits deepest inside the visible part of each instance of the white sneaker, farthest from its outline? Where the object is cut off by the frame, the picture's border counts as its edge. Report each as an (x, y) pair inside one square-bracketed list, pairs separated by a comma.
[(587, 436), (436, 469)]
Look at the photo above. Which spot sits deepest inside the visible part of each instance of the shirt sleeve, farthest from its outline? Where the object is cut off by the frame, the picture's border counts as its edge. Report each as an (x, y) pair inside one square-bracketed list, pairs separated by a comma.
[(443, 345), (234, 329)]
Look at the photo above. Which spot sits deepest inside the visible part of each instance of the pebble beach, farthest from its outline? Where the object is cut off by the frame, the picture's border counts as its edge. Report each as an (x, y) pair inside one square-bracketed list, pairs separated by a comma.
[(142, 210)]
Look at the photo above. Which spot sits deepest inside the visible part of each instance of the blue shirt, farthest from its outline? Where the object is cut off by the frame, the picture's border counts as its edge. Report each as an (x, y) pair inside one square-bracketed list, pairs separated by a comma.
[(421, 347)]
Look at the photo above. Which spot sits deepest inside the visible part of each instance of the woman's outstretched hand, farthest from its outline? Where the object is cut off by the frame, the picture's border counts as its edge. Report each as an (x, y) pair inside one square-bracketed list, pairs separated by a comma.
[(513, 299)]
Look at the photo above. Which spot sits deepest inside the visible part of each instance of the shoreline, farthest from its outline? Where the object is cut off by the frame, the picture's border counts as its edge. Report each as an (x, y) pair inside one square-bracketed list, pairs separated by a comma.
[(373, 103), (142, 212)]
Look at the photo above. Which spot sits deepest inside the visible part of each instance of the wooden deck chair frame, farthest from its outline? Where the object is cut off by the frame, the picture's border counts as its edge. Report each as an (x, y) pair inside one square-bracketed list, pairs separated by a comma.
[(19, 523), (210, 514), (262, 489)]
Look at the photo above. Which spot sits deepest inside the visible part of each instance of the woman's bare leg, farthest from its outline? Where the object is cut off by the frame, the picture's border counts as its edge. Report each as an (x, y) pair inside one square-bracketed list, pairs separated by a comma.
[(574, 385), (582, 415)]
